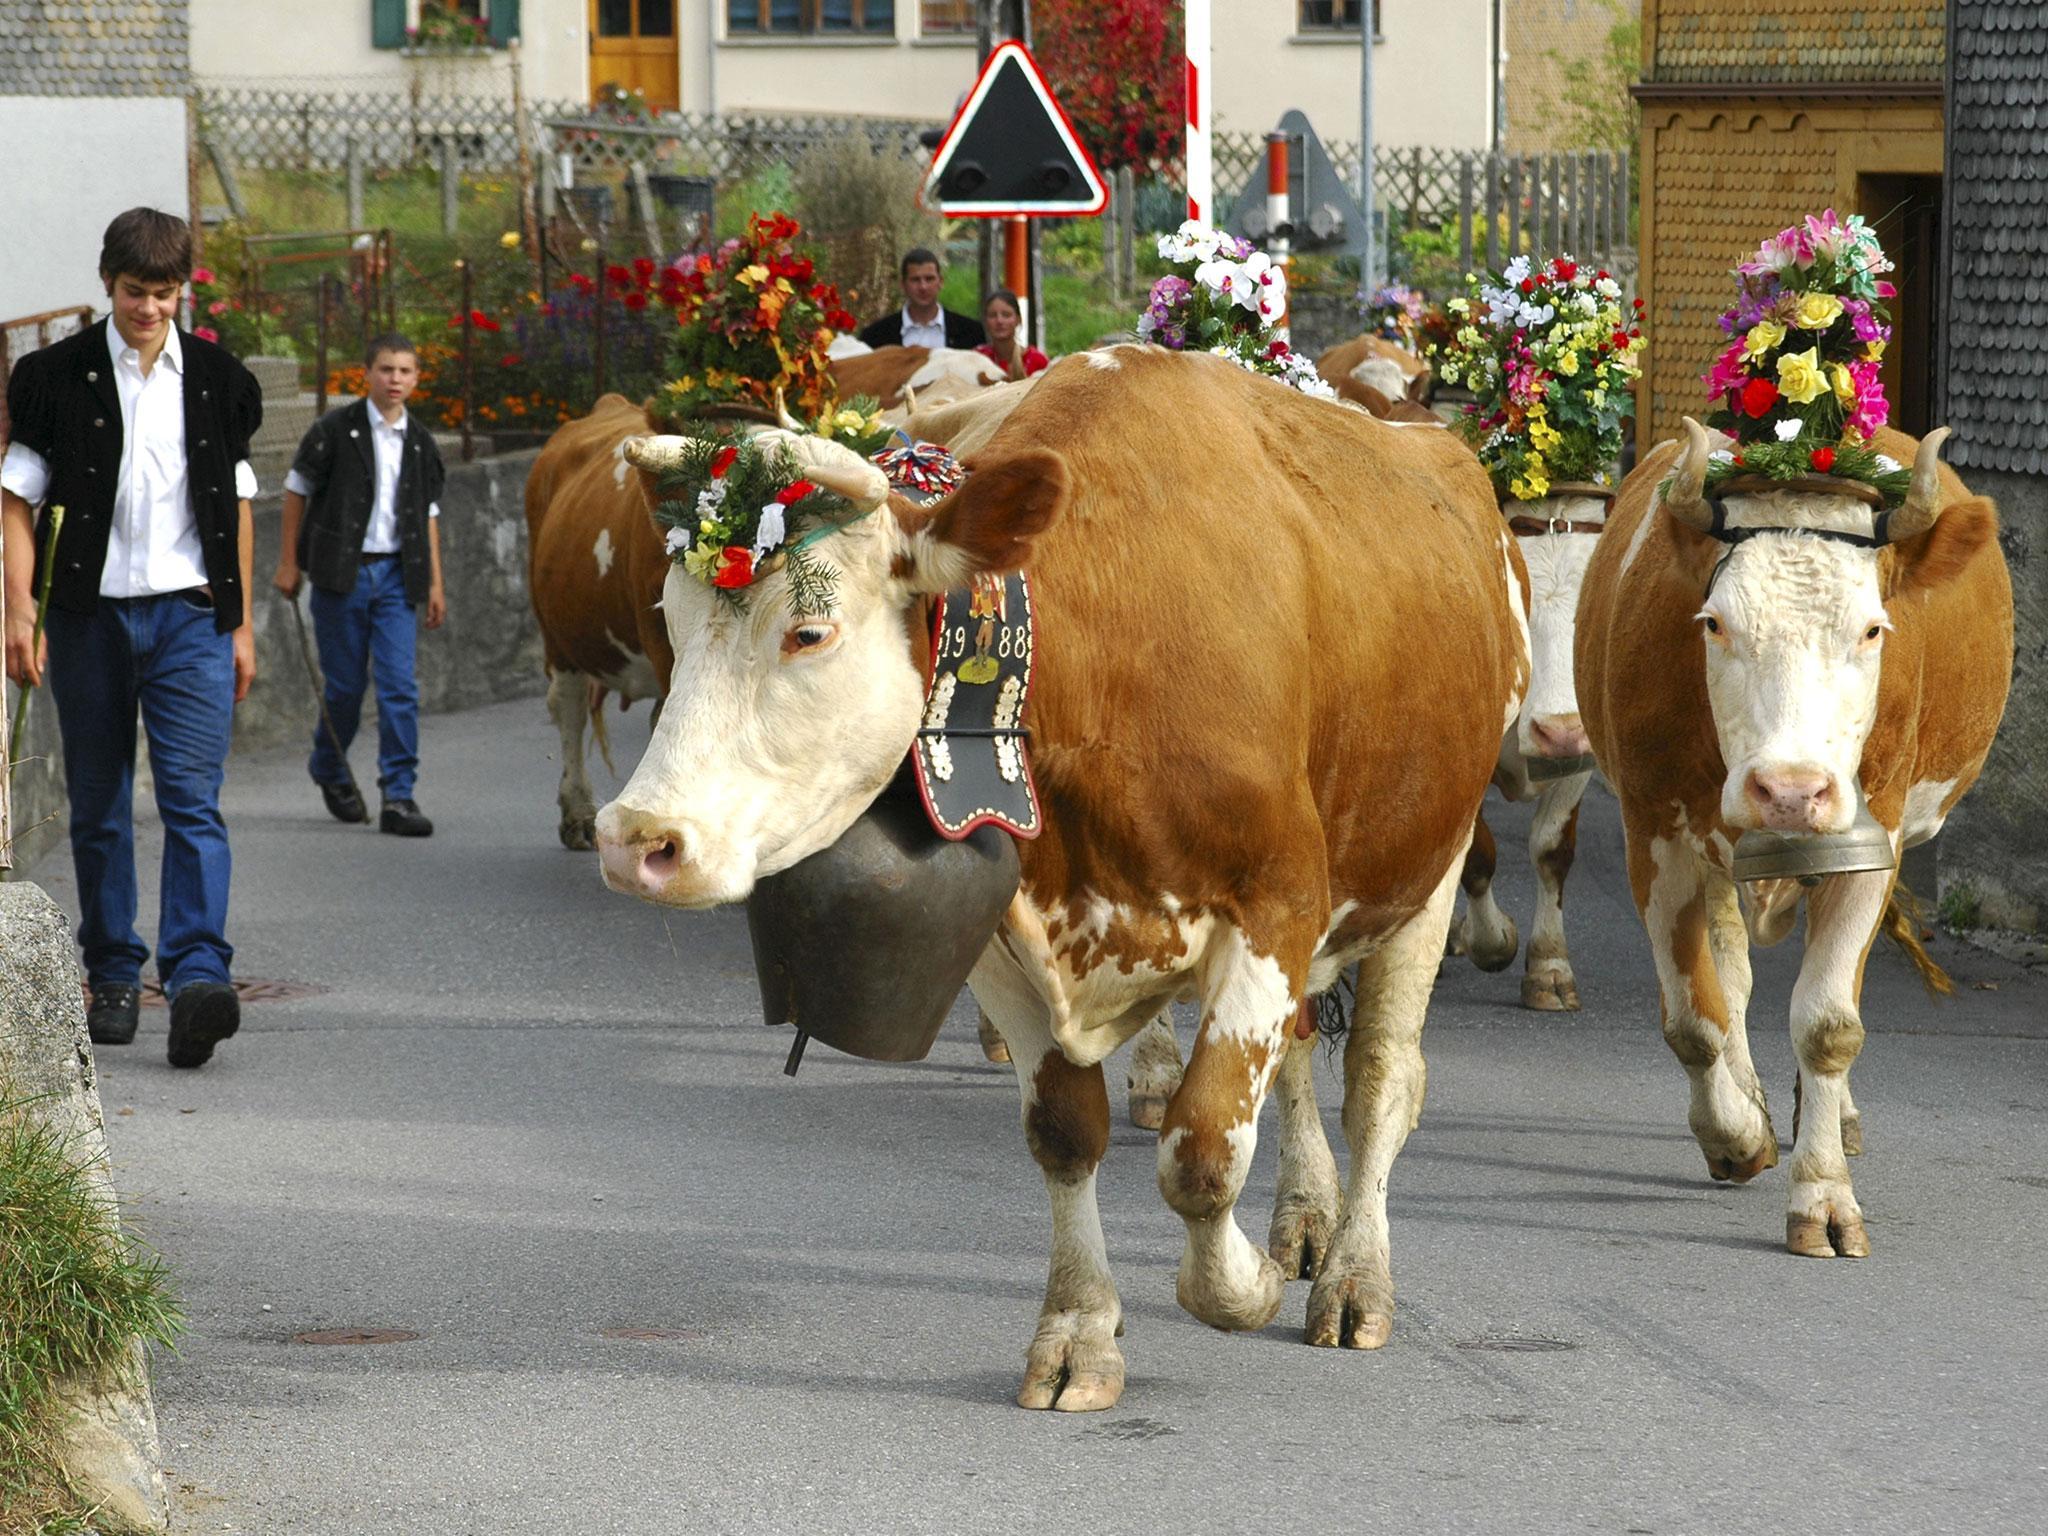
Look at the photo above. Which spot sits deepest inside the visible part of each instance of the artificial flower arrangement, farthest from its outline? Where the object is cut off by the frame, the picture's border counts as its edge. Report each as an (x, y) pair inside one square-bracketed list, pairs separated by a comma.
[(856, 422), (1548, 352), (1228, 300), (752, 317), (1799, 387), (735, 510), (1394, 311)]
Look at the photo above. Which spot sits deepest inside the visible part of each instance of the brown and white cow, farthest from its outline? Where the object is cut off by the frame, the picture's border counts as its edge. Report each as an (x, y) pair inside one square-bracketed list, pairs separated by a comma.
[(899, 376), (595, 565), (1378, 364), (1225, 705), (1557, 536), (1764, 680)]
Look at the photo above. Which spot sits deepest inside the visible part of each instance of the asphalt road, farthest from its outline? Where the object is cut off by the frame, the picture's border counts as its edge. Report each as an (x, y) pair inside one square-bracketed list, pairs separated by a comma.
[(521, 1111)]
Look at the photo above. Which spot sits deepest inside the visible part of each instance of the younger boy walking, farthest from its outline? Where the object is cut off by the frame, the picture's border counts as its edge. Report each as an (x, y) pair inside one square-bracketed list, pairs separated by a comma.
[(361, 522)]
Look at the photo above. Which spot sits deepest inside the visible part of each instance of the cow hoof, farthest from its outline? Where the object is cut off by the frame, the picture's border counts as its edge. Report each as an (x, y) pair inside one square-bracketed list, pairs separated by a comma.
[(1299, 1238), (1073, 1366), (1231, 1302), (1496, 950), (1349, 1311), (1459, 937), (1148, 1111), (579, 832), (1550, 994), (1852, 1136), (1833, 1234), (1725, 1169), (993, 1046)]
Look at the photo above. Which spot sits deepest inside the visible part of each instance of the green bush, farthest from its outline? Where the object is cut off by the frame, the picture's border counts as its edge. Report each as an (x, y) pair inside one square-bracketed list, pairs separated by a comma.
[(73, 1296), (860, 212)]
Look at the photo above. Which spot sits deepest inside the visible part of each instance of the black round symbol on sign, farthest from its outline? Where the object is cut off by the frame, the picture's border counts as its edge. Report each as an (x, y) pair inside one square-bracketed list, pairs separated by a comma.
[(1053, 176)]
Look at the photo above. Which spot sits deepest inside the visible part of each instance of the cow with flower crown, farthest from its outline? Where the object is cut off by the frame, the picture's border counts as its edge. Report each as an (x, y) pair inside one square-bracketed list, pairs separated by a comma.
[(1794, 646), (1211, 686)]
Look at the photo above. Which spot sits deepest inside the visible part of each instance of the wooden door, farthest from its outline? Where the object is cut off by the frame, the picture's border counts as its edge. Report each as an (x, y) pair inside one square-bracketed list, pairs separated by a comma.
[(633, 44)]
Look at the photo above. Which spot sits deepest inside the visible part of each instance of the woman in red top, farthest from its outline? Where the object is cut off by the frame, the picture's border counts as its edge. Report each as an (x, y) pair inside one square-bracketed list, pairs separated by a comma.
[(1001, 315)]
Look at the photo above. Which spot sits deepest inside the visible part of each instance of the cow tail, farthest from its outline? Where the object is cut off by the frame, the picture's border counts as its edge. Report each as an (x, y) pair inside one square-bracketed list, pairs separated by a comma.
[(599, 732), (1901, 924)]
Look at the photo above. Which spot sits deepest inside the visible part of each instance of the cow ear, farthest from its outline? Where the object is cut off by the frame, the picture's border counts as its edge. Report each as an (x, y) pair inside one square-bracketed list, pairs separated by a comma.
[(1943, 552), (987, 526)]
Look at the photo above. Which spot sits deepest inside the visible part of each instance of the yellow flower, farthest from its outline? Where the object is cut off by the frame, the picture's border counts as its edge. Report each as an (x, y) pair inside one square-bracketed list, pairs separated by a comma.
[(1845, 385), (1532, 486), (1816, 311), (1799, 377), (1568, 364), (1763, 336), (509, 239), (1873, 352), (754, 276)]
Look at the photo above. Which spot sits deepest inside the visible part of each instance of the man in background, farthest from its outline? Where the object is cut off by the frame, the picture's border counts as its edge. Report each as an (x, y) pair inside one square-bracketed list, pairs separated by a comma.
[(922, 322)]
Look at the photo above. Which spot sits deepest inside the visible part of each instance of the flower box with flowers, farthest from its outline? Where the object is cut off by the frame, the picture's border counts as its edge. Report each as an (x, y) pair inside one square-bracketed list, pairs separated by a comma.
[(1228, 300), (1394, 311), (1548, 352)]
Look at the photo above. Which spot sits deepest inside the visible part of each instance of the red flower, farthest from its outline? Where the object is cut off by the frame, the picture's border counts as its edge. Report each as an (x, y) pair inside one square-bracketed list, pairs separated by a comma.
[(1528, 285), (1757, 398), (840, 320), (1603, 274), (794, 492), (643, 269), (1822, 459), (510, 360), (722, 460), (735, 567), (618, 275), (635, 300), (482, 321), (206, 333), (1620, 340), (580, 283), (1565, 270)]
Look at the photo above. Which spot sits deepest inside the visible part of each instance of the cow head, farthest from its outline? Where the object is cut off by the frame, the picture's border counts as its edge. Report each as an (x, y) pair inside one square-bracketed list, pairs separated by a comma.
[(1794, 625), (780, 728), (1550, 725)]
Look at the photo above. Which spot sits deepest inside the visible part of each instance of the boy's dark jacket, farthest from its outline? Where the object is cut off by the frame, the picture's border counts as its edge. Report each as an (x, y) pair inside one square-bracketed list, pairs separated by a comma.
[(337, 457), (62, 402)]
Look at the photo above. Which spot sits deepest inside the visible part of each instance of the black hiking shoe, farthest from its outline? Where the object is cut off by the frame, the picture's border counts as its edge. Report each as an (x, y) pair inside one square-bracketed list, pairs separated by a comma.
[(402, 818), (202, 1015), (116, 1008)]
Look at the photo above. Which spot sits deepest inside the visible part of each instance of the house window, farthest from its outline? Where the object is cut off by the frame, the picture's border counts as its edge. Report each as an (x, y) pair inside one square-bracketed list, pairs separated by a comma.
[(404, 23), (944, 18), (799, 18), (1335, 16)]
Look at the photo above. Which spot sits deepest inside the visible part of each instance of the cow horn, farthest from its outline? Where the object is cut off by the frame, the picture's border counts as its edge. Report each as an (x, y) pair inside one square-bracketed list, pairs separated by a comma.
[(655, 454), (783, 419), (1923, 499), (909, 400), (1685, 494)]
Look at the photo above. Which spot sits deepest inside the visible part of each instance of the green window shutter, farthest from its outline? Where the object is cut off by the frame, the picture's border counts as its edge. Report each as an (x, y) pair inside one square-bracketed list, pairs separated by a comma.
[(387, 23), (504, 22)]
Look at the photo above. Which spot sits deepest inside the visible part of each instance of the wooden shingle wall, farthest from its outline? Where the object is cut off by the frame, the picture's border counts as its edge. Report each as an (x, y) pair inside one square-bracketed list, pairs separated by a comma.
[(1804, 40)]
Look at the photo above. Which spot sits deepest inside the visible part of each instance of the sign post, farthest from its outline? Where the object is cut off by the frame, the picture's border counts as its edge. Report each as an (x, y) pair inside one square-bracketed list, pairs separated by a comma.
[(1201, 167)]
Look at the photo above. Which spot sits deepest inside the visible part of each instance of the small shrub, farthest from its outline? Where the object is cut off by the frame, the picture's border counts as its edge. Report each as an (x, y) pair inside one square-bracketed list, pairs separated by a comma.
[(861, 211), (1961, 908)]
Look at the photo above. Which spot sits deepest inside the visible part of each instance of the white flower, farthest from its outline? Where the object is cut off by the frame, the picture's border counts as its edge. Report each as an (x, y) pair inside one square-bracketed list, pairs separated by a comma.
[(1722, 456), (770, 534), (1787, 430), (710, 500), (1887, 465), (1607, 288), (1516, 271), (675, 541)]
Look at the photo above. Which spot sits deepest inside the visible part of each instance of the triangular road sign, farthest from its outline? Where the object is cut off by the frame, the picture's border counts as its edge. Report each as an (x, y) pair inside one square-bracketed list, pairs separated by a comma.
[(1010, 149)]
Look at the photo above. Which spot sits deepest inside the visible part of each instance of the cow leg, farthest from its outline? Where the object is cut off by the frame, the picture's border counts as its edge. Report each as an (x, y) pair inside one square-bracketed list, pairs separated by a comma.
[(1728, 1115), (1352, 1303), (1155, 1072), (992, 1044), (1486, 933), (1249, 1001), (1548, 984), (1305, 1203), (1073, 1364), (1822, 1219), (569, 704)]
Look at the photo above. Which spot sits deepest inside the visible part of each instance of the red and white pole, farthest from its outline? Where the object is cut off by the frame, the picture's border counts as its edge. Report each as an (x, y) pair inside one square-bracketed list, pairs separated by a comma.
[(1201, 113), (1277, 212), (1017, 269)]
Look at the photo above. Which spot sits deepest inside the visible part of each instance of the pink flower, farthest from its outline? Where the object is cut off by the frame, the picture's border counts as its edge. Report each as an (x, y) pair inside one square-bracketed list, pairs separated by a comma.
[(1872, 410), (202, 275), (1887, 290), (1727, 373), (206, 333), (217, 307)]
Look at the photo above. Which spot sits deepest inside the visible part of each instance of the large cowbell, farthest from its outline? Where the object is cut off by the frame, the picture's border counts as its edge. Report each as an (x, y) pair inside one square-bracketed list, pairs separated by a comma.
[(866, 944), (1810, 857)]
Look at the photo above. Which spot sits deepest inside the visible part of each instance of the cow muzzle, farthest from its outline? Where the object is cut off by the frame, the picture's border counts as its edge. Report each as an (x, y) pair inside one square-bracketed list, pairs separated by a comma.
[(1794, 797), (661, 859)]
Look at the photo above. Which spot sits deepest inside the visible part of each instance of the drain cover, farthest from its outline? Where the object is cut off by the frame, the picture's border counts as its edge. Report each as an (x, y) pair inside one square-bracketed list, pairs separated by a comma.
[(1514, 1344), (250, 989), (355, 1336), (653, 1335)]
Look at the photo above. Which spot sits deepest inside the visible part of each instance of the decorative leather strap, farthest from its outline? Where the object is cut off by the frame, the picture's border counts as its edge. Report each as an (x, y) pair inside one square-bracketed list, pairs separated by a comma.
[(1522, 523)]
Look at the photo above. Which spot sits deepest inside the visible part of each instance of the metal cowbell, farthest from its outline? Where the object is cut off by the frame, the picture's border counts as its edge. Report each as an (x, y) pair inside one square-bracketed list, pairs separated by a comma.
[(1808, 857), (1541, 770)]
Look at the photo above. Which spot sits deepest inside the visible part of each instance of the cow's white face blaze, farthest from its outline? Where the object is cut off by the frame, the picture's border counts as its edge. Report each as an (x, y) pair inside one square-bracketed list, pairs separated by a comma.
[(780, 728), (1549, 724), (1794, 636)]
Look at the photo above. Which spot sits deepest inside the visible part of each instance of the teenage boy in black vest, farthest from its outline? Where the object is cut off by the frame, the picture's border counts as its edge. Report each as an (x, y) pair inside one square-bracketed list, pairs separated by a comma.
[(362, 522), (140, 431)]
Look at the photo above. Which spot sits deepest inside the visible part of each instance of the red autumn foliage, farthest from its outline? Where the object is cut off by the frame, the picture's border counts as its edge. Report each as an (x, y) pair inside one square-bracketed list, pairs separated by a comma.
[(1119, 72)]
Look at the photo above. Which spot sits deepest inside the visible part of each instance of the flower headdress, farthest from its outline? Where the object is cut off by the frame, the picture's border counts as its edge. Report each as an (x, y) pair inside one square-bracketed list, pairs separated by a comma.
[(1228, 300), (753, 317), (1394, 311), (1548, 353), (735, 510), (1799, 387)]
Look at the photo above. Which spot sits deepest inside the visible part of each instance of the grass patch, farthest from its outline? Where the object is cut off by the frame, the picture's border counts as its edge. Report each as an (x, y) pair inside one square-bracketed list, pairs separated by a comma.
[(73, 1294), (1077, 313), (1961, 908)]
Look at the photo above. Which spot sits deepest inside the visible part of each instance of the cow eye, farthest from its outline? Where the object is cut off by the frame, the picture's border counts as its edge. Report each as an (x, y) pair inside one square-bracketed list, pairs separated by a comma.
[(1873, 632), (800, 638), (1713, 625)]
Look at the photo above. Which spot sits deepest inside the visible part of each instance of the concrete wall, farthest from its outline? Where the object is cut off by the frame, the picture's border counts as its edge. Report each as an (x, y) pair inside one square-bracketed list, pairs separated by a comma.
[(71, 164), (1996, 842), (488, 650)]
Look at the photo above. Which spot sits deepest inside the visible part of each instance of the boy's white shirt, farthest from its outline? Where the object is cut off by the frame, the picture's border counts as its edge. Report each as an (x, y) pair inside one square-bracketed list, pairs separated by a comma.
[(387, 443)]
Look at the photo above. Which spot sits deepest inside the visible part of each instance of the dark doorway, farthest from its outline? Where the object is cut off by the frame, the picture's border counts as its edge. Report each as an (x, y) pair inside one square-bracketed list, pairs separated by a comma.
[(1906, 213)]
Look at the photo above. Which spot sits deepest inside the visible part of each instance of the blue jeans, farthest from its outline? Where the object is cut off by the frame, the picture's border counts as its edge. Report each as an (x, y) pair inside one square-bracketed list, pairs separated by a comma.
[(163, 654), (371, 630)]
